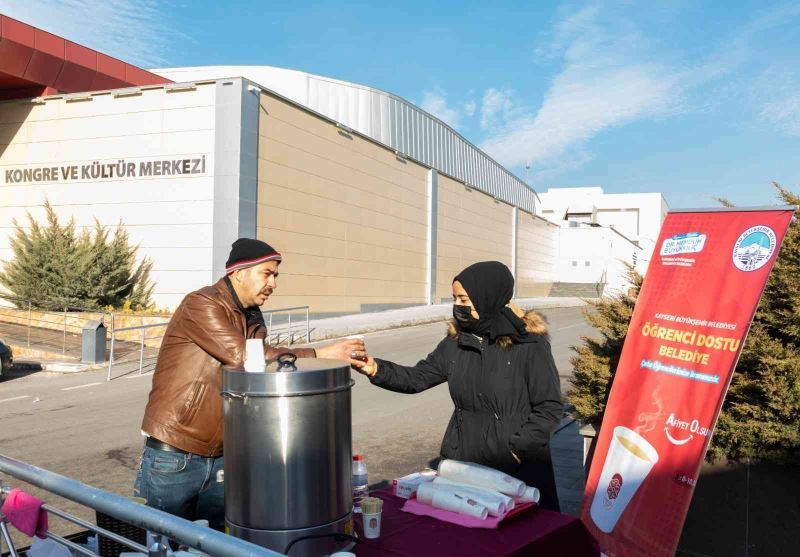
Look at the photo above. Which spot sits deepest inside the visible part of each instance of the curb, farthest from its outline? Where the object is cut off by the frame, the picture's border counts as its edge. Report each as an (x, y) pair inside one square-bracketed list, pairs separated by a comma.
[(320, 335), (330, 334), (55, 366)]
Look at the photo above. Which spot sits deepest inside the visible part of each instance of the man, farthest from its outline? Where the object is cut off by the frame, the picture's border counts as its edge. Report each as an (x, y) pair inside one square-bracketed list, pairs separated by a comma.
[(182, 458)]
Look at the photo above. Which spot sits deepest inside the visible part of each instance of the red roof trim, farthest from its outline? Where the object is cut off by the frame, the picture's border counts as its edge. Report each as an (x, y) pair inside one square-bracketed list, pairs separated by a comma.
[(49, 62)]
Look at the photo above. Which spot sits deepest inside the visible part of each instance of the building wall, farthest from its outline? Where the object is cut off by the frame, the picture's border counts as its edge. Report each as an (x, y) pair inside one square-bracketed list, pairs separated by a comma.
[(595, 255), (169, 217), (537, 252), (383, 117), (348, 215), (636, 215), (471, 227), (621, 251), (582, 254), (627, 221)]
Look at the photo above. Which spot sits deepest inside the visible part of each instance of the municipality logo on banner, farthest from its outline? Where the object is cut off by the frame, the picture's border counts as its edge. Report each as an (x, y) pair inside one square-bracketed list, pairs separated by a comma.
[(754, 248), (690, 242)]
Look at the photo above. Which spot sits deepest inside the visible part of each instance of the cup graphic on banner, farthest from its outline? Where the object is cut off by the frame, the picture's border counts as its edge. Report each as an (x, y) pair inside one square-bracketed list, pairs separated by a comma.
[(628, 462)]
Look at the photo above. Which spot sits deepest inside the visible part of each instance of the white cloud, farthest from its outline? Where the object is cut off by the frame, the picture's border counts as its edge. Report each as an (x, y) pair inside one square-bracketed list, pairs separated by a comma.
[(496, 102), (603, 84), (784, 113), (579, 105), (469, 107), (612, 74), (572, 24), (435, 102), (132, 30), (777, 91)]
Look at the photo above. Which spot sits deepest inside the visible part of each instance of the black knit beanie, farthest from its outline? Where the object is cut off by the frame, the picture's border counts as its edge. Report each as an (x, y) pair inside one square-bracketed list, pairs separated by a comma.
[(246, 252)]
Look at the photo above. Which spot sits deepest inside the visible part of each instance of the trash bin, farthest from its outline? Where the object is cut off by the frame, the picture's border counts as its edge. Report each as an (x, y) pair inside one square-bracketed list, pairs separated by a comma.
[(93, 343)]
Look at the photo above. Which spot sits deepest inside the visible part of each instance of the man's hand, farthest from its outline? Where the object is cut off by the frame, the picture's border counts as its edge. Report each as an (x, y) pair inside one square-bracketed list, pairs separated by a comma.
[(351, 350)]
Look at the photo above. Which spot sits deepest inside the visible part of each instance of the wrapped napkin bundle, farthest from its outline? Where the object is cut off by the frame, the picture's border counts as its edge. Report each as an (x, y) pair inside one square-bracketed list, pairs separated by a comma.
[(495, 502), (475, 491), (481, 476), (449, 500)]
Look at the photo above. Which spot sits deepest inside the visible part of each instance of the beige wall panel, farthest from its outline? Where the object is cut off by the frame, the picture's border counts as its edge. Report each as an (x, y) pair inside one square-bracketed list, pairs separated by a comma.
[(318, 304), (284, 114), (471, 227), (537, 255), (348, 216)]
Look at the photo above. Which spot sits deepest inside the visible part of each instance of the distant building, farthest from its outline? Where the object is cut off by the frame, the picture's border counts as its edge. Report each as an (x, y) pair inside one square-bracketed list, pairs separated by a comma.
[(600, 230), (637, 216)]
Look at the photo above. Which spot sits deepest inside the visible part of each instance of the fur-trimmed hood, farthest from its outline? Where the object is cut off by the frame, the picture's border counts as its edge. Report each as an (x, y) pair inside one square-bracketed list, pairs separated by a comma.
[(535, 323)]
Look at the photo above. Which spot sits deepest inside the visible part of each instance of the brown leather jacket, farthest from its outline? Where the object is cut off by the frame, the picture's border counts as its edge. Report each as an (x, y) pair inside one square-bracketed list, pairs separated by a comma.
[(207, 331)]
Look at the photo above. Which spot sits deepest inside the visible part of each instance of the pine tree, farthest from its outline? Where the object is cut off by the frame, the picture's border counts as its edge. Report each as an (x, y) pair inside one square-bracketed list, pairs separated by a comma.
[(55, 266), (760, 417), (761, 414), (596, 359)]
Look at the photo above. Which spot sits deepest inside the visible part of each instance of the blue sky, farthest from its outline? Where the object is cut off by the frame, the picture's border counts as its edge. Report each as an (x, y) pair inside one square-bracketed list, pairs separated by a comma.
[(690, 98)]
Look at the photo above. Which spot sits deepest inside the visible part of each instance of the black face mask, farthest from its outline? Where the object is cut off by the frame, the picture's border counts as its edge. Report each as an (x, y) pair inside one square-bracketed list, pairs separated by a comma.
[(463, 316)]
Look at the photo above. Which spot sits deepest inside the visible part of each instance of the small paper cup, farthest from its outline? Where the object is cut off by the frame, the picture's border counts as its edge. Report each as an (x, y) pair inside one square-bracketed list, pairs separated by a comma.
[(372, 525)]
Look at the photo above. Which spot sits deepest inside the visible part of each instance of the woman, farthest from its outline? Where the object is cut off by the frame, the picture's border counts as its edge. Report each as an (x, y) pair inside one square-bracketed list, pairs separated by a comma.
[(502, 379)]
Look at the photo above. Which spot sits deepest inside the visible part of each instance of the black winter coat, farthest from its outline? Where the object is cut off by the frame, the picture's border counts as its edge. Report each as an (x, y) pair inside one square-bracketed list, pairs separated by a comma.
[(506, 399)]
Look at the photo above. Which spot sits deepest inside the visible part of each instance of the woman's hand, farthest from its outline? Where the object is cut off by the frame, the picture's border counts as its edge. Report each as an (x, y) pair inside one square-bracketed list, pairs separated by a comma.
[(368, 367)]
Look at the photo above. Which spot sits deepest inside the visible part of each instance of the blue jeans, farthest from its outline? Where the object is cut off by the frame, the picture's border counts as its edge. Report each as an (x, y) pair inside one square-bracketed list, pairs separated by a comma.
[(182, 484)]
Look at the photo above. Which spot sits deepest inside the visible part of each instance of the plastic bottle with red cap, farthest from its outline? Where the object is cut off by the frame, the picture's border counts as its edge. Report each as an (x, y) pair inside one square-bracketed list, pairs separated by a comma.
[(360, 481)]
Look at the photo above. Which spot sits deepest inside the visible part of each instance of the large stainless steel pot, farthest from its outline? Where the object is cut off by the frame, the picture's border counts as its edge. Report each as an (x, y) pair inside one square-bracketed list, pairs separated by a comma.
[(288, 454)]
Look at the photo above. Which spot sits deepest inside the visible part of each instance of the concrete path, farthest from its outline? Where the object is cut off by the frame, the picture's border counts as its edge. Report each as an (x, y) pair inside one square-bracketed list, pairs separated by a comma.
[(360, 323), (60, 351)]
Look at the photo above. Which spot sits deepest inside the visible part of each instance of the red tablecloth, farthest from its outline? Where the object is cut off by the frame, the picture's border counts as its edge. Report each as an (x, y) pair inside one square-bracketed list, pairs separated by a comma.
[(537, 532)]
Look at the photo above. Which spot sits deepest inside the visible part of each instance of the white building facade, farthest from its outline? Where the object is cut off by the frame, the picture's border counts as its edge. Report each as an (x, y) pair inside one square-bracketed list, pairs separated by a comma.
[(600, 232), (166, 162), (637, 216)]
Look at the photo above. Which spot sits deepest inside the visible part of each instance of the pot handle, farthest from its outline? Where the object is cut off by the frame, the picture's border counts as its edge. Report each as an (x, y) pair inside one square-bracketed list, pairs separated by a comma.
[(286, 362)]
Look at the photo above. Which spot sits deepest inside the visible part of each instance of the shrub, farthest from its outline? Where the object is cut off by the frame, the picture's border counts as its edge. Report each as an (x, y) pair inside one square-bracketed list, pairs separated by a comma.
[(54, 265)]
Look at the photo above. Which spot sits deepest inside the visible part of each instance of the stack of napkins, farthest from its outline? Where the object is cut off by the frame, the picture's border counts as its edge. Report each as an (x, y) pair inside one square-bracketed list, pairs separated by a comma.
[(407, 486)]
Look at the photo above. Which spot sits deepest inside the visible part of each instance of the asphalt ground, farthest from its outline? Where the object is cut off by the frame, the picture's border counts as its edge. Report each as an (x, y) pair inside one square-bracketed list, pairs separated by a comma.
[(86, 428)]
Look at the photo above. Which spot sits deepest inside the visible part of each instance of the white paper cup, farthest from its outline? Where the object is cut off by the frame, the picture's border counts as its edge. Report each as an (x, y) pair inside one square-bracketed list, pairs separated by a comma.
[(356, 337), (254, 355), (372, 525), (629, 460)]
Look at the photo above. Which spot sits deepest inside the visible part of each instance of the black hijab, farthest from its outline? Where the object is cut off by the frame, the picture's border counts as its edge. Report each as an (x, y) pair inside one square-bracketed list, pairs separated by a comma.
[(490, 286)]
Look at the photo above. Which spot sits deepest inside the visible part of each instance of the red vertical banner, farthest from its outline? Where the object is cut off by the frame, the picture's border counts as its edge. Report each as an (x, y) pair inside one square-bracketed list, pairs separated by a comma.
[(706, 276)]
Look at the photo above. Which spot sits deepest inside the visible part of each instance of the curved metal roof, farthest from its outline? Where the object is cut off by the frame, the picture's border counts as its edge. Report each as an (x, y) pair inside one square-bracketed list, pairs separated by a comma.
[(384, 117)]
